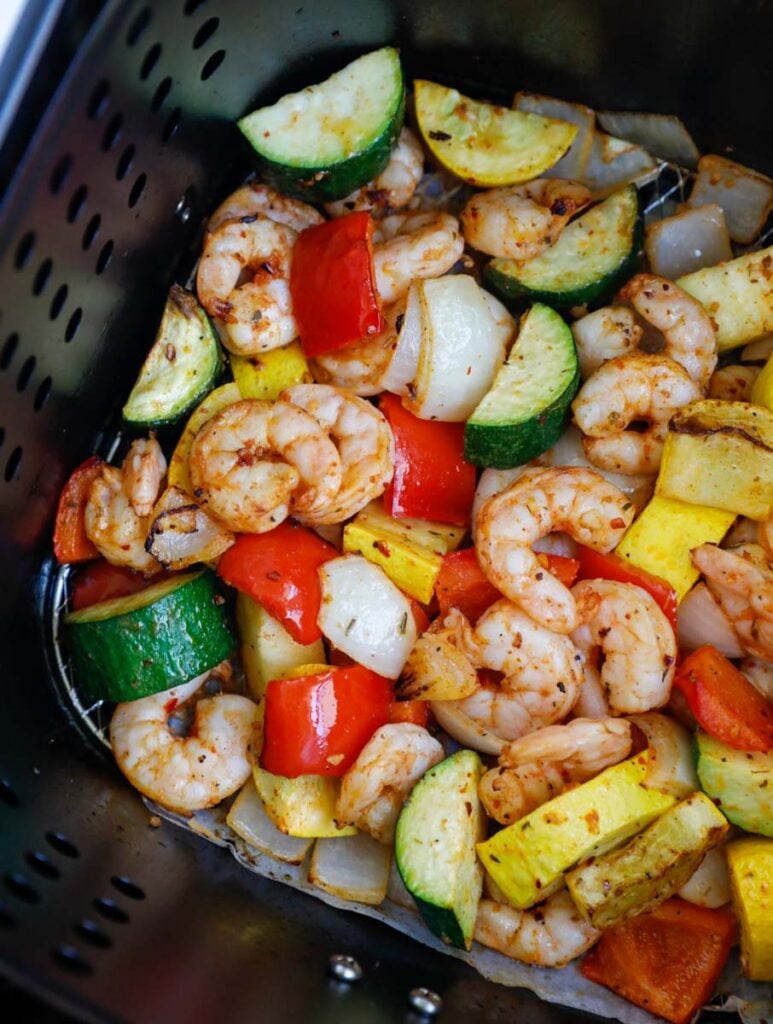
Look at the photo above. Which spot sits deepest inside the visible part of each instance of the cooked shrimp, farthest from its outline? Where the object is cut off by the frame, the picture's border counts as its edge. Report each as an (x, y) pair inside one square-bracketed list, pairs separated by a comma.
[(255, 460), (387, 768), (519, 221), (625, 390), (741, 581), (257, 200), (635, 639), (733, 383), (574, 501), (603, 335), (359, 367), (364, 442), (243, 283), (684, 323), (394, 187), (113, 526), (411, 246), (549, 935), (186, 773), (143, 470)]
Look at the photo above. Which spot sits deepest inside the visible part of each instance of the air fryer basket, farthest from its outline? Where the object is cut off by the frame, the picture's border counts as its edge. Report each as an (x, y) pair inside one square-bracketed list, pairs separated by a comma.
[(103, 913)]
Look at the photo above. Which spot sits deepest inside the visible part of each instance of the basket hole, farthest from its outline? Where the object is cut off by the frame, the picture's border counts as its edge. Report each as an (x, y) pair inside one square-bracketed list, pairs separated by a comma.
[(69, 959), (125, 161), (21, 887), (109, 908), (41, 277), (9, 350), (99, 99), (206, 32), (212, 64), (58, 301), (76, 204), (24, 250), (41, 395), (7, 792), (26, 371), (127, 887), (171, 125), (39, 862), (150, 60), (62, 845), (60, 174), (138, 26), (105, 255), (159, 96), (90, 932), (73, 324), (191, 6), (112, 132), (12, 465), (137, 189), (7, 919), (91, 231)]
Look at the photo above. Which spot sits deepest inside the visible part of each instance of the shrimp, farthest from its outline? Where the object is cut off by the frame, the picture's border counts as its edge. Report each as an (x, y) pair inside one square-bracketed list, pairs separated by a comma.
[(257, 200), (410, 246), (255, 461), (143, 470), (625, 390), (549, 935), (603, 335), (186, 773), (741, 581), (684, 323), (733, 383), (243, 283), (359, 367), (635, 639), (365, 445), (574, 501), (519, 221), (113, 526), (394, 187), (374, 789)]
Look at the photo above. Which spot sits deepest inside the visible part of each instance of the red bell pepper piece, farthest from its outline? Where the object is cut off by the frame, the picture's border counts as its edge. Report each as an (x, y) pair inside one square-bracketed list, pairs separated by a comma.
[(462, 584), (278, 569), (666, 961), (335, 301), (102, 581), (724, 702), (595, 566), (565, 569), (414, 711), (317, 725), (70, 541), (431, 480)]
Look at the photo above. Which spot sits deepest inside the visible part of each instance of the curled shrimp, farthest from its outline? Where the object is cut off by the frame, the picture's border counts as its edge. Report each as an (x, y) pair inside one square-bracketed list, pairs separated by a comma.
[(733, 383), (257, 200), (633, 388), (741, 581), (186, 773), (519, 221), (549, 935), (579, 502), (365, 445), (684, 323), (627, 626), (255, 461), (604, 335), (391, 189), (412, 246), (243, 283), (143, 470), (374, 789), (359, 367)]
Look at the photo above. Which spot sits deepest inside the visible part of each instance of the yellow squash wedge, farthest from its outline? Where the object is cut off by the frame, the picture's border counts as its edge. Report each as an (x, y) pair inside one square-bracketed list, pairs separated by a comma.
[(303, 807), (268, 374), (762, 391), (214, 403), (751, 878)]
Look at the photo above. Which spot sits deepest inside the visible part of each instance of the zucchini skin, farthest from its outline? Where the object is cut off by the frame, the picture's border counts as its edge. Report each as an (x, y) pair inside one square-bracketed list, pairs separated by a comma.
[(441, 921)]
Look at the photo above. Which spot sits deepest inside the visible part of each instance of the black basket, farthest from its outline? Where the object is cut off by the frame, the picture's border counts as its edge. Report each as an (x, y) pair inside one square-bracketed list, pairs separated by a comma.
[(101, 913)]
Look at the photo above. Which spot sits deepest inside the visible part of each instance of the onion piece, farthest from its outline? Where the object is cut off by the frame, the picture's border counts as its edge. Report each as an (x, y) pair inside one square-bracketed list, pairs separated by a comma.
[(758, 351), (701, 621), (396, 890), (248, 818), (364, 615), (464, 729), (436, 670), (688, 241), (709, 885), (182, 533), (573, 163), (404, 364), (745, 195), (664, 135), (352, 867), (614, 162), (760, 675), (672, 764)]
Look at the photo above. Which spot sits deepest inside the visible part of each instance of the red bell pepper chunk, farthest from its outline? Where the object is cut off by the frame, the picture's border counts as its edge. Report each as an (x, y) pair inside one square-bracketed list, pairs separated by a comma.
[(317, 725), (565, 569), (594, 566), (666, 961), (335, 301), (102, 581), (414, 711), (278, 569), (724, 702), (70, 541), (462, 584), (431, 480)]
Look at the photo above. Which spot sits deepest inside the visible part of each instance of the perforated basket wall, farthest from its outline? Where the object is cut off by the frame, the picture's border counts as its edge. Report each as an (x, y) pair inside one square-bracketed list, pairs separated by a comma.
[(101, 912)]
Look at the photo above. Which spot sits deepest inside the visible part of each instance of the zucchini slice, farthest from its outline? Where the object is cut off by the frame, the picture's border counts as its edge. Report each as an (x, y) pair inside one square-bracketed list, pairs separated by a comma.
[(739, 781), (328, 140), (528, 406), (135, 646), (181, 367), (435, 847), (591, 258)]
